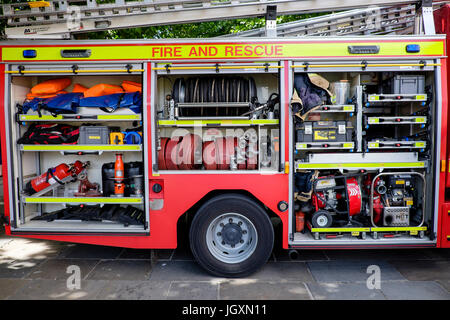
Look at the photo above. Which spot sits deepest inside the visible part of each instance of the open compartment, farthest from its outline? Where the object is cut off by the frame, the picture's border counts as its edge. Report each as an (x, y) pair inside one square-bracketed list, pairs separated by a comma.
[(79, 166), (365, 174), (217, 117)]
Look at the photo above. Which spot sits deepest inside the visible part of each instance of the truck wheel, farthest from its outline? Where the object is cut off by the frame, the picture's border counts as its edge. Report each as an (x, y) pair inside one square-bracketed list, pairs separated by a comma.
[(321, 219), (231, 236)]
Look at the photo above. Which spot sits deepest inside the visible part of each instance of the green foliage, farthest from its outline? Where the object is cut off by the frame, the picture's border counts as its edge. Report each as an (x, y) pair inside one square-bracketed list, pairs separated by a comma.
[(191, 30)]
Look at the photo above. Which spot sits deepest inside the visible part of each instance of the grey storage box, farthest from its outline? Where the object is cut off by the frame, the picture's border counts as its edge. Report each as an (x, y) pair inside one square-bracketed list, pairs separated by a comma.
[(94, 135), (325, 131), (406, 84)]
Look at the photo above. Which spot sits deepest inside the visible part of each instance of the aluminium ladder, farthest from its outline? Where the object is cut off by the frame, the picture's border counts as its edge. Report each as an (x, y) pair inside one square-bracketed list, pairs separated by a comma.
[(60, 19)]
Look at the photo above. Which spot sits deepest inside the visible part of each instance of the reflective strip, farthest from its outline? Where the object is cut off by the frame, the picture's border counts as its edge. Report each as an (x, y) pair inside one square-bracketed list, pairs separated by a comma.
[(370, 229), (361, 165), (23, 117), (82, 200), (421, 120), (77, 147), (217, 68), (219, 122), (238, 50), (419, 144), (368, 65), (340, 229), (71, 71), (119, 117), (387, 229)]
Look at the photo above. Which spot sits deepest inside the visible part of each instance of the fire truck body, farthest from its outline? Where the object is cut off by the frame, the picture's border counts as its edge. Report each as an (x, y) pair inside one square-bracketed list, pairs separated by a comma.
[(225, 141)]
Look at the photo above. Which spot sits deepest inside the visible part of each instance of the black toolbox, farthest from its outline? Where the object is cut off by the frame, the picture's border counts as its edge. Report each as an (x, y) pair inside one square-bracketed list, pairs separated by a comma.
[(325, 131)]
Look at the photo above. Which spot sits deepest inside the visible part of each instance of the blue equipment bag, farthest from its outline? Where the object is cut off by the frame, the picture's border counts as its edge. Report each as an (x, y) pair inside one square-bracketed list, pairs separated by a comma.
[(60, 104), (112, 102)]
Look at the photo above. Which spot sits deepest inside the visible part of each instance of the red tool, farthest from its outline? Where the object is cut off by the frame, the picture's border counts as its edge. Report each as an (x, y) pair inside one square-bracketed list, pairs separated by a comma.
[(119, 176), (53, 177)]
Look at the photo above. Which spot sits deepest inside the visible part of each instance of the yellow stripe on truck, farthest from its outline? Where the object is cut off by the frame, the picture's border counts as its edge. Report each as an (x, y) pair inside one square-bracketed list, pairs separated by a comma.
[(281, 50)]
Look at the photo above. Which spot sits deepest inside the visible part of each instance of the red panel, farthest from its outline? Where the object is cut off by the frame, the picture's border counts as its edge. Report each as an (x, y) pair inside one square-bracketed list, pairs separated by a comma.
[(3, 145), (181, 192), (445, 230), (442, 24)]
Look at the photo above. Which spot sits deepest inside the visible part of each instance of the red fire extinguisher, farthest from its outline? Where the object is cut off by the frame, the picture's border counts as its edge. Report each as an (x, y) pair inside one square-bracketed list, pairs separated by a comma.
[(57, 175), (119, 176)]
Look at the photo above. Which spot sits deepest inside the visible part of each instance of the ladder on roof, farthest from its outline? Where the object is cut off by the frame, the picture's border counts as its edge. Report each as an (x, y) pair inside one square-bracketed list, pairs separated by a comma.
[(62, 18), (367, 21)]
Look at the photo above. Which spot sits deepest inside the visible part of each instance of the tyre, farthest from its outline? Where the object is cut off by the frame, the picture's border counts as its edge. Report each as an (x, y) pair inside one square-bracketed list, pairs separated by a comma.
[(231, 236), (321, 219)]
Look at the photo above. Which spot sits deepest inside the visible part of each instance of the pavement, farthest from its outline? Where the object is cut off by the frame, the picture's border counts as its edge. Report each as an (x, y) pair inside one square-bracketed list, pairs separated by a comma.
[(36, 269)]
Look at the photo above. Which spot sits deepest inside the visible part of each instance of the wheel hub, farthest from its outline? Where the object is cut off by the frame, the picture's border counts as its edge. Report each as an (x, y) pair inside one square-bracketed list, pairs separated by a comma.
[(231, 234), (231, 238)]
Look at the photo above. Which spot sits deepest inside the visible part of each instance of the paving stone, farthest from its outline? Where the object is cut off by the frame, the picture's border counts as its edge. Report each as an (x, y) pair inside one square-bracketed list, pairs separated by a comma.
[(350, 271), (193, 290), (251, 289), (183, 254), (4, 240), (134, 290), (56, 269), (10, 286), (344, 291), (57, 290), (423, 270), (283, 270), (144, 254), (439, 253), (375, 254), (22, 249), (121, 270), (164, 254), (180, 270), (445, 284), (303, 255), (414, 290), (86, 251)]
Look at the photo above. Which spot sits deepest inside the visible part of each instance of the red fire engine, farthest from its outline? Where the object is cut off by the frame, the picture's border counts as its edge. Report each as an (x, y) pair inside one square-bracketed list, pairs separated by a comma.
[(342, 139)]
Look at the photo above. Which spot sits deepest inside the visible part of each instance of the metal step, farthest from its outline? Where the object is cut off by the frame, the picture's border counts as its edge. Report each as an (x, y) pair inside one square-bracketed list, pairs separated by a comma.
[(61, 18)]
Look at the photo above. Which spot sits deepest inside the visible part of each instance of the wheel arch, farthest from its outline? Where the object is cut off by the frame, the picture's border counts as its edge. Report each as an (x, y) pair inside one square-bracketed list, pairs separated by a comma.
[(189, 214)]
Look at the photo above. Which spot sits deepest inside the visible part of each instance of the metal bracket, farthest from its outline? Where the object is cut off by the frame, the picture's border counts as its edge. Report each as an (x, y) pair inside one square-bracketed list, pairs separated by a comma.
[(21, 69), (271, 21), (167, 66), (74, 68), (427, 17), (306, 66)]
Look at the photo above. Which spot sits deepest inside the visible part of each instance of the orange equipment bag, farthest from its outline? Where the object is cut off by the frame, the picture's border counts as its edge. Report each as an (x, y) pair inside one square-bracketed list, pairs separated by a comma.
[(79, 88), (102, 89), (130, 86), (51, 86), (31, 96)]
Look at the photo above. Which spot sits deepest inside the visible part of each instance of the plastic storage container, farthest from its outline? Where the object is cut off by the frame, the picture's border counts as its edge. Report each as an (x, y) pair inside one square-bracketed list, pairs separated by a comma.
[(406, 84), (341, 92), (325, 131), (94, 135)]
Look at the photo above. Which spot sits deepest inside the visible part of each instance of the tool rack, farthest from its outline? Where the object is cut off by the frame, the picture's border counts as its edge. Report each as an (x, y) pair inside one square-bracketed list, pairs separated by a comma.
[(405, 151), (32, 160), (267, 81)]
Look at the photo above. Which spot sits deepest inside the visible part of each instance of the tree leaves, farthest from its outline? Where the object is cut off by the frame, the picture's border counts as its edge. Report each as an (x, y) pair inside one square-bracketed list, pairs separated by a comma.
[(190, 30)]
